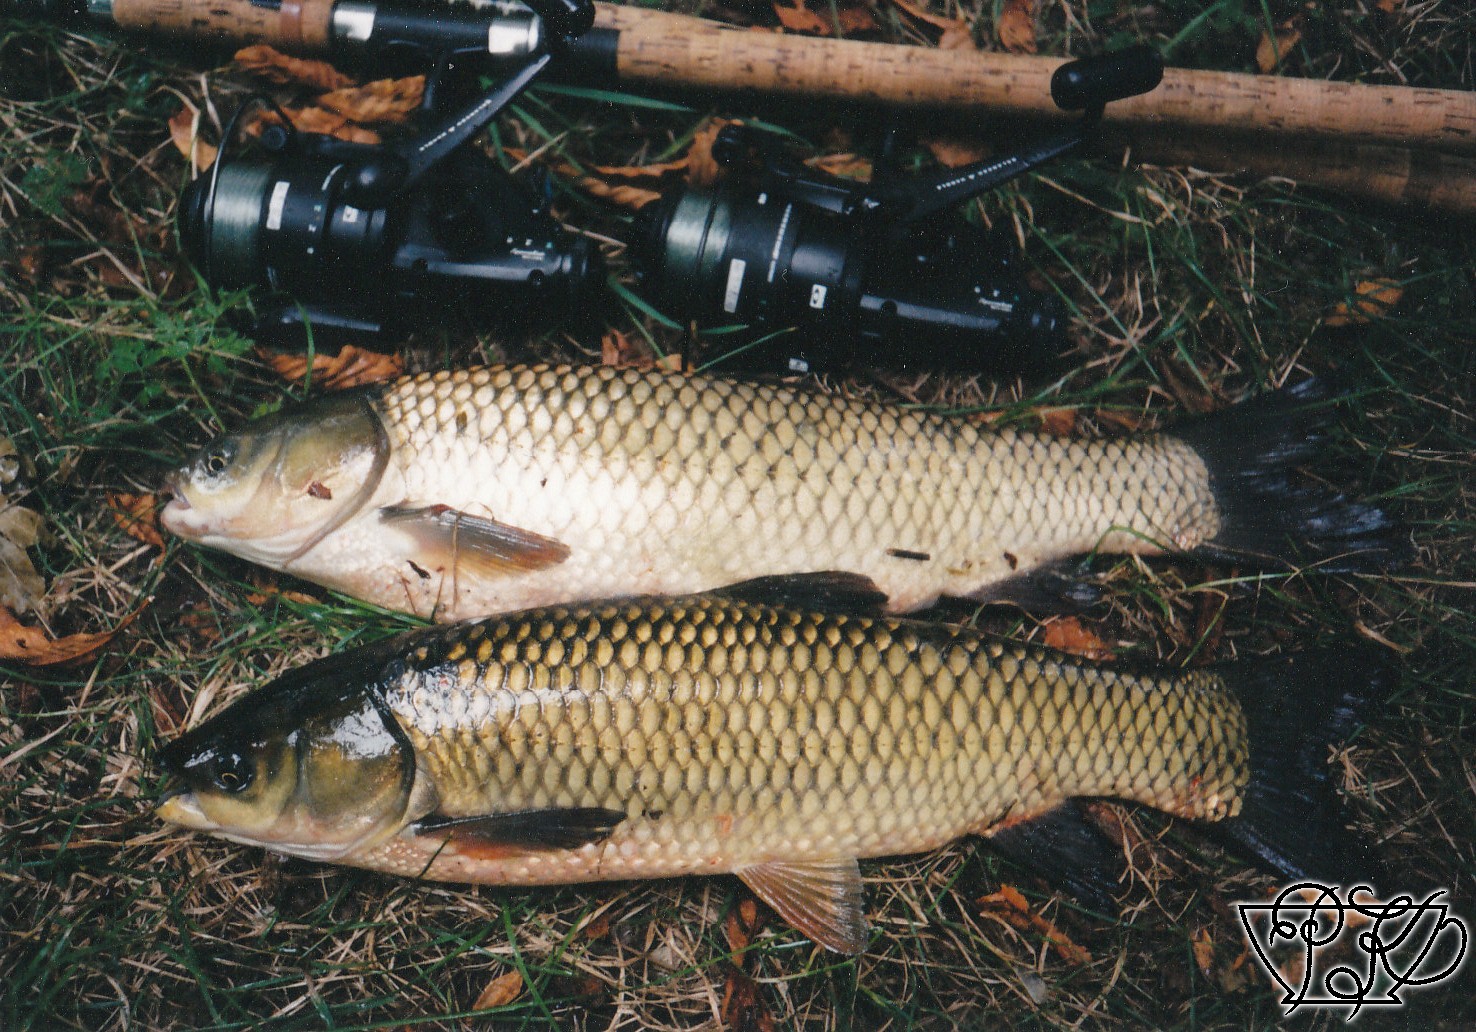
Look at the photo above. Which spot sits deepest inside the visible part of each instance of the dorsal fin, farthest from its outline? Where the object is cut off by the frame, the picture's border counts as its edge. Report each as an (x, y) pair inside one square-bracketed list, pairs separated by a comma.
[(821, 899), (826, 591)]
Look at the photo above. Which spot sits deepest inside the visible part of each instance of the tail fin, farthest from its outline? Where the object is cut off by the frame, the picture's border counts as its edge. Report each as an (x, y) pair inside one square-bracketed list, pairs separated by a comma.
[(1296, 707), (1251, 452)]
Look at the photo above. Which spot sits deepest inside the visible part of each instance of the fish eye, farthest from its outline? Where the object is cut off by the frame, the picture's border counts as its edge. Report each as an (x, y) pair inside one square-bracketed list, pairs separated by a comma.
[(215, 461), (232, 772)]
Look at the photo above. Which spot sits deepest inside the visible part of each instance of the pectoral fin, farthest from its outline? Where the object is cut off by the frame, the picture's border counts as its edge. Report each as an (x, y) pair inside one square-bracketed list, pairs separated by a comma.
[(822, 899), (504, 834), (448, 539), (1066, 848)]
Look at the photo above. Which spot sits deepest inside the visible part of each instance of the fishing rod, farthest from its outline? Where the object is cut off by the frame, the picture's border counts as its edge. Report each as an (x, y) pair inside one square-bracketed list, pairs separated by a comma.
[(1419, 144)]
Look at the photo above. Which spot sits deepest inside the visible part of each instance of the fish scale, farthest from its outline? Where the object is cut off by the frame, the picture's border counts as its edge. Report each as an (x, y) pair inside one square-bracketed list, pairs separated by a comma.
[(731, 735), (714, 481)]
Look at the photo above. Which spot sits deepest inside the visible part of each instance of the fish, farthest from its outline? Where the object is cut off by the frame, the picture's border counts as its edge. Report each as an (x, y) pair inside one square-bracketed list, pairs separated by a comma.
[(719, 734), (459, 494)]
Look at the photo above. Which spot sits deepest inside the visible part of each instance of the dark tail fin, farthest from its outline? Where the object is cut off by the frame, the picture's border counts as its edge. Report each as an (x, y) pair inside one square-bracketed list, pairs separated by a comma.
[(1296, 707), (1267, 512)]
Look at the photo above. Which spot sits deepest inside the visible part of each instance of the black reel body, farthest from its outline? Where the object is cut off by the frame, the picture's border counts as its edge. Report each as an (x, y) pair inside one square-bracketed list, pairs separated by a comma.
[(928, 299), (470, 242), (867, 273), (354, 240)]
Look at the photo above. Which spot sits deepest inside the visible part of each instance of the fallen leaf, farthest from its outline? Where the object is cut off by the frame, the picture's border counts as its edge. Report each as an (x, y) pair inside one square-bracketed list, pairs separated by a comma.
[(1375, 298), (21, 587), (183, 130), (1069, 634), (702, 167), (1058, 421), (953, 152), (315, 120), (848, 166), (138, 515), (739, 927), (30, 262), (1016, 26), (1389, 6), (622, 193), (800, 18), (958, 36), (34, 647), (351, 367), (384, 100), (1272, 51), (1204, 951), (923, 15), (277, 67), (501, 991), (1010, 907), (618, 350), (743, 1006)]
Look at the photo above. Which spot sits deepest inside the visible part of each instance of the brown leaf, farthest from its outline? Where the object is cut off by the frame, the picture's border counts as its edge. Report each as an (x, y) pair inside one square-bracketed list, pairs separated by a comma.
[(1069, 634), (848, 166), (35, 647), (702, 168), (958, 36), (182, 130), (1058, 421), (1376, 298), (1204, 951), (800, 18), (1272, 51), (351, 367), (138, 515), (30, 262), (953, 152), (938, 21), (739, 927), (1016, 26), (501, 991), (743, 1006), (1389, 6), (269, 64), (384, 100), (618, 350), (1010, 907), (316, 120), (617, 193)]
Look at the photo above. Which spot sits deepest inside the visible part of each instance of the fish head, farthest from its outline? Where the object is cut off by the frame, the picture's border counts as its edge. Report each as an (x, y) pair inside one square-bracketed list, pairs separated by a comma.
[(309, 769), (275, 488)]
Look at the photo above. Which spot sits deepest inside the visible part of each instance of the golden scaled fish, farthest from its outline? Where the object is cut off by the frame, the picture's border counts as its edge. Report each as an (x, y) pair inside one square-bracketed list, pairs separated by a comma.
[(708, 735), (461, 494)]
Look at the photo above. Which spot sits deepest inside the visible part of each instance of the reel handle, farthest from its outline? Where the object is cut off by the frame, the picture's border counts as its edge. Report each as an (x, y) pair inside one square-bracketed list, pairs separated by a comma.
[(1091, 83)]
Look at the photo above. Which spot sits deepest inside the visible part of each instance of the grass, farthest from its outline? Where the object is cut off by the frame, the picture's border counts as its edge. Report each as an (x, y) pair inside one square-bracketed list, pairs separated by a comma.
[(1188, 289)]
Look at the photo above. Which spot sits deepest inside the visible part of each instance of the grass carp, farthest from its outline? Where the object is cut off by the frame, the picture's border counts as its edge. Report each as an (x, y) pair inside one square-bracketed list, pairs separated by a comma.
[(707, 735), (461, 494)]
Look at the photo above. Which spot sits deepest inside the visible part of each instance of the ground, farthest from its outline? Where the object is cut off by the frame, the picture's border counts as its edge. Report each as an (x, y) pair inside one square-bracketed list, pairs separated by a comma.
[(1188, 290)]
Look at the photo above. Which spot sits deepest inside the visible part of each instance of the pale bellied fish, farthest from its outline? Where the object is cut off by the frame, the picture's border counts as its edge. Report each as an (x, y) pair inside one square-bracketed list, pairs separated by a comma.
[(461, 494)]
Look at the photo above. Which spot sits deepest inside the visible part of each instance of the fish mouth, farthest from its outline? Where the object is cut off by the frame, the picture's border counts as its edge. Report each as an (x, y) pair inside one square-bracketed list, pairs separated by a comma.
[(179, 806), (172, 516)]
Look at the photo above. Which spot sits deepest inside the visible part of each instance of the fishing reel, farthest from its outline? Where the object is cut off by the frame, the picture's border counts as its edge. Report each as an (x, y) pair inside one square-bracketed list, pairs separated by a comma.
[(867, 272), (359, 240)]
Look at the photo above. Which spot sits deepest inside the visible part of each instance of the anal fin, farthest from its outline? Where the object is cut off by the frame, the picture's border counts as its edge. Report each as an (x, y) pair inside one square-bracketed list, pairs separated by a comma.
[(449, 539), (1066, 848), (520, 831), (821, 899)]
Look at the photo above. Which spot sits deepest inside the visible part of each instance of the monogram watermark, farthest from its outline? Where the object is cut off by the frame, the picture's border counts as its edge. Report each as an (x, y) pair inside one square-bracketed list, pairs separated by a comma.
[(1353, 951)]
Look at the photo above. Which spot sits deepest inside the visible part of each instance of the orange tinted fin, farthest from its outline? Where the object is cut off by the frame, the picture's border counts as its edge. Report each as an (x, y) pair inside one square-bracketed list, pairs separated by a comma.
[(449, 539), (503, 834), (822, 899)]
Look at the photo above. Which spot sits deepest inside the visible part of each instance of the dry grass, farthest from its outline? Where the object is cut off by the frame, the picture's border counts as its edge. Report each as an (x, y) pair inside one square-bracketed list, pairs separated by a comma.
[(1190, 289)]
